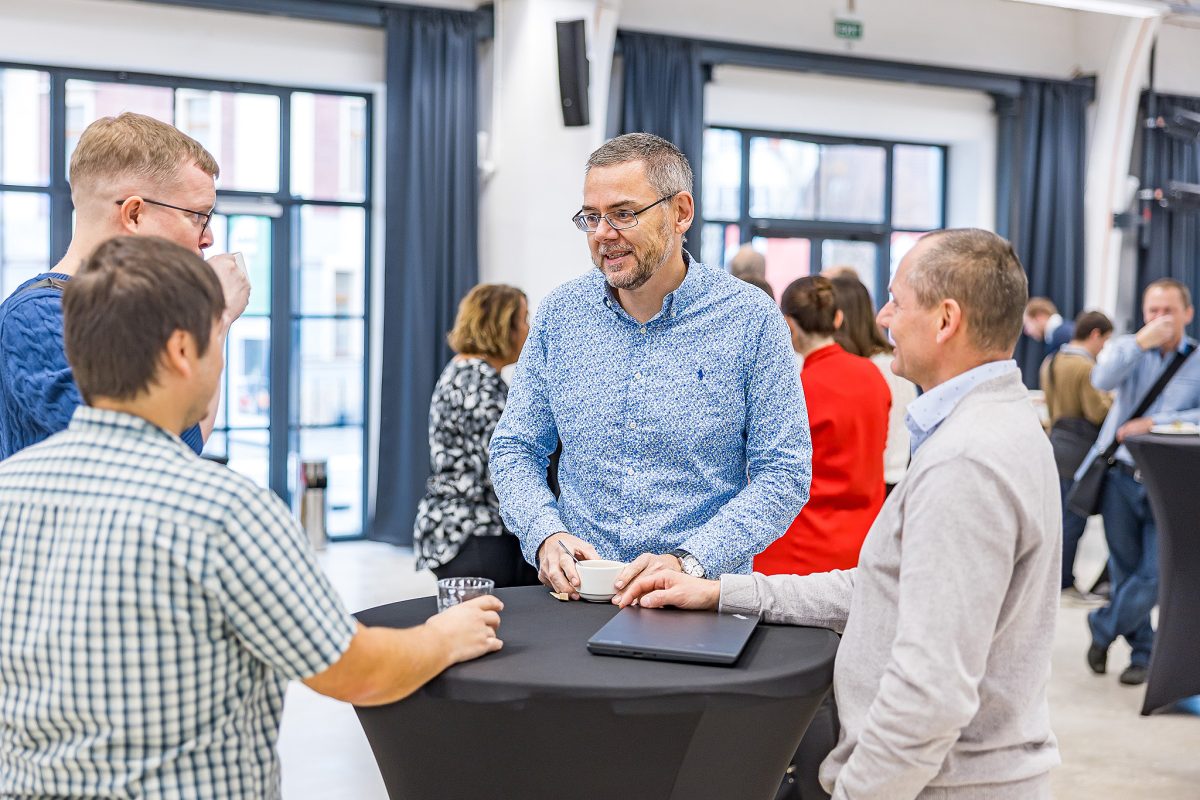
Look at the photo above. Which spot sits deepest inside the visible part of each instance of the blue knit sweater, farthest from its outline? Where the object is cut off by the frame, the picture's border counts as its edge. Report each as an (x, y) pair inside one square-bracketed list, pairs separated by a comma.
[(38, 394)]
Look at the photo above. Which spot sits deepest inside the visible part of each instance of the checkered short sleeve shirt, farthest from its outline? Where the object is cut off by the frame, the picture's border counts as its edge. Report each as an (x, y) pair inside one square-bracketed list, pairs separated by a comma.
[(153, 606)]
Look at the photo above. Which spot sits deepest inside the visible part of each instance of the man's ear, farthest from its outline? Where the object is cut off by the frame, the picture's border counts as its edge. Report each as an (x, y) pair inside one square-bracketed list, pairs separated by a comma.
[(838, 319), (131, 213), (179, 354), (950, 320), (684, 206)]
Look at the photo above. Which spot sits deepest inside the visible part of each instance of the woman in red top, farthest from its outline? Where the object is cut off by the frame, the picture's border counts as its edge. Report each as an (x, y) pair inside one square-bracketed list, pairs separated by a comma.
[(848, 402)]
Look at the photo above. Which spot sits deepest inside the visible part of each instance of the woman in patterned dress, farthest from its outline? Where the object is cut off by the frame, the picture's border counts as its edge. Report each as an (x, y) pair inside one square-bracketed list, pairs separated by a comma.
[(458, 530)]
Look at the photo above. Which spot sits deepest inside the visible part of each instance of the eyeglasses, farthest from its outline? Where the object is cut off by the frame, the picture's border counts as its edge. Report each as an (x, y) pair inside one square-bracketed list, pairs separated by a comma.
[(201, 218), (617, 220)]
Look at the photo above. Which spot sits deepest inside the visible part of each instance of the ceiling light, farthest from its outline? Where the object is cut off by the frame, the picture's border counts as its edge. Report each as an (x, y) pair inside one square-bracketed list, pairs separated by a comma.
[(1122, 8)]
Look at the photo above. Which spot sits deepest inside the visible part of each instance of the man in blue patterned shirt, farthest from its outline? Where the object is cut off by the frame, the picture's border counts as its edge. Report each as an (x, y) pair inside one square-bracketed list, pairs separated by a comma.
[(672, 386), (153, 605)]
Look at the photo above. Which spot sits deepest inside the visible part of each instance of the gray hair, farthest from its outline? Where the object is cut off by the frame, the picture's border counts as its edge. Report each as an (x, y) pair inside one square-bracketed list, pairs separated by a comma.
[(980, 271), (748, 263), (667, 168)]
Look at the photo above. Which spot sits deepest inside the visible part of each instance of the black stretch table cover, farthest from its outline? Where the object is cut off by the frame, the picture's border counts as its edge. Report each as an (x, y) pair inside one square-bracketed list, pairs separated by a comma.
[(1170, 466), (545, 718)]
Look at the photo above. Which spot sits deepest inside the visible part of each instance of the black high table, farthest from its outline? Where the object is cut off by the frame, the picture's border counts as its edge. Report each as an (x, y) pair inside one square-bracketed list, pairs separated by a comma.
[(544, 718), (1170, 467)]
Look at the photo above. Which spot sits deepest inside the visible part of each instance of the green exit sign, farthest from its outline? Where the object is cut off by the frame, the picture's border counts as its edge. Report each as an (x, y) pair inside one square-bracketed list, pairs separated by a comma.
[(847, 29)]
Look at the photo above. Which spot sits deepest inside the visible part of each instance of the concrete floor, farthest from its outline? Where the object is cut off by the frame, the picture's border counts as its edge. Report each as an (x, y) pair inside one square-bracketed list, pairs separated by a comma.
[(1109, 751)]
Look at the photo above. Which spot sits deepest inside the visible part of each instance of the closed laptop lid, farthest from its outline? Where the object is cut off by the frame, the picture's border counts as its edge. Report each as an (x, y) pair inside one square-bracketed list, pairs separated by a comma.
[(674, 635)]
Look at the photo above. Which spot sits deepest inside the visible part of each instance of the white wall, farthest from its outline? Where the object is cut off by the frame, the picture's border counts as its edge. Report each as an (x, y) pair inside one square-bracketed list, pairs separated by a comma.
[(874, 109)]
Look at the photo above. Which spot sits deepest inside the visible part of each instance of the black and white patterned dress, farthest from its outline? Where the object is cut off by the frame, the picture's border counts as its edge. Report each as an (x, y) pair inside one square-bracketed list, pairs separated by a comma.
[(459, 499)]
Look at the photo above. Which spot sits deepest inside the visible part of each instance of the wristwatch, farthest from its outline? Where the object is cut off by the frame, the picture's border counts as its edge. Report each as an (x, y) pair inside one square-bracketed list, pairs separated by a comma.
[(691, 565)]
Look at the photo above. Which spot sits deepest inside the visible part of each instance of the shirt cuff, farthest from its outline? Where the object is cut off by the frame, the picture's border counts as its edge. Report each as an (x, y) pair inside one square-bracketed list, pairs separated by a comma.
[(739, 595), (542, 529)]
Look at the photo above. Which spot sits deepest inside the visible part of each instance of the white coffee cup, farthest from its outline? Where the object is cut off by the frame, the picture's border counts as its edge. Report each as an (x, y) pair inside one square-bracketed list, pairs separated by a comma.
[(596, 579)]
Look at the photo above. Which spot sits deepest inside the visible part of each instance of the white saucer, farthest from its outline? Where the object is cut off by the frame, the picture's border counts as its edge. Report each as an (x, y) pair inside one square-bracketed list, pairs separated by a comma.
[(1186, 429), (597, 598)]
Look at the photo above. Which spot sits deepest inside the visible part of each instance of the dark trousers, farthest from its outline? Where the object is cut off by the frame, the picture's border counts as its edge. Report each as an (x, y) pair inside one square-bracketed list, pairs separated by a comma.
[(495, 557), (1073, 526), (1132, 538)]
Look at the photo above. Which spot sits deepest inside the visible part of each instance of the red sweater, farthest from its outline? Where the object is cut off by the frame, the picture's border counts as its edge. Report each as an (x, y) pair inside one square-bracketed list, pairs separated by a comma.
[(848, 402)]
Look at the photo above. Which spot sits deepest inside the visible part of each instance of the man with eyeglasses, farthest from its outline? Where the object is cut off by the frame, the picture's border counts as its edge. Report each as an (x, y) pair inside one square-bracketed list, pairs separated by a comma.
[(671, 385), (129, 174)]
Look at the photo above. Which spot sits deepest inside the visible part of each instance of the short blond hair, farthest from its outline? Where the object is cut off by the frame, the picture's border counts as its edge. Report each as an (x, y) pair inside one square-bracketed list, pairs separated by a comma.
[(486, 319), (135, 146)]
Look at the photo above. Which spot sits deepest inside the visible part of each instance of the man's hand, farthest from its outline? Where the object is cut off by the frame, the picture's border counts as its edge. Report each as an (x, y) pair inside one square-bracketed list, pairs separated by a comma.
[(1135, 427), (468, 630), (667, 588), (555, 567), (646, 564), (1156, 333), (235, 284)]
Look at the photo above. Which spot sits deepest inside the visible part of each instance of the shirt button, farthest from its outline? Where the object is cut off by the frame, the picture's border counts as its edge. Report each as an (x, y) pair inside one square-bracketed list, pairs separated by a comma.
[(632, 426), (629, 470), (637, 375), (643, 329), (629, 520)]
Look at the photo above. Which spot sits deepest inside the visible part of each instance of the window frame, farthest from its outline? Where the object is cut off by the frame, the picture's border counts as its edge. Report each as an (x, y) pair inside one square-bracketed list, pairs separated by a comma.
[(817, 230), (286, 312)]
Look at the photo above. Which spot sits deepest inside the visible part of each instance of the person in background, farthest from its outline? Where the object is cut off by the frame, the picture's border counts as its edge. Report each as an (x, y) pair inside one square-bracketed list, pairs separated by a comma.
[(129, 175), (948, 621), (1066, 377), (749, 265), (1042, 322), (154, 605), (860, 334), (458, 530), (848, 402), (1129, 367)]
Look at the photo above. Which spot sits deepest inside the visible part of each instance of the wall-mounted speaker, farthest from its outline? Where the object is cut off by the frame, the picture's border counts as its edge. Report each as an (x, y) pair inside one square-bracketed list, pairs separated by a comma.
[(574, 75)]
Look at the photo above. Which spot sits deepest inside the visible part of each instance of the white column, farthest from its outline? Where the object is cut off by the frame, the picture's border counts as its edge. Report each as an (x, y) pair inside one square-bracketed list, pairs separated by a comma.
[(1109, 186), (533, 165)]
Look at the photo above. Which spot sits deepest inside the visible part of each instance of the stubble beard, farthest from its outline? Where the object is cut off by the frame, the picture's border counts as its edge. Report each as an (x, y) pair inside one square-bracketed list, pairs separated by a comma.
[(645, 264)]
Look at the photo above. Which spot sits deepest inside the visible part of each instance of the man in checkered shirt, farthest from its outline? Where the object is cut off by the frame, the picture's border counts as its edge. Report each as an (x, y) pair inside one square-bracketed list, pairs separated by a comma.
[(153, 605)]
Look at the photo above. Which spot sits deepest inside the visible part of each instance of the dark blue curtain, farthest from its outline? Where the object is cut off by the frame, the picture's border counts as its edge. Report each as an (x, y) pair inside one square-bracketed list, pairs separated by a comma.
[(1173, 245), (662, 92), (1047, 201), (430, 251)]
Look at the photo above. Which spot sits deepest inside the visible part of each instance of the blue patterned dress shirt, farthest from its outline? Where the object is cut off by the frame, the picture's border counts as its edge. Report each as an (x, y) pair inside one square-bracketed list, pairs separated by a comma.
[(687, 432)]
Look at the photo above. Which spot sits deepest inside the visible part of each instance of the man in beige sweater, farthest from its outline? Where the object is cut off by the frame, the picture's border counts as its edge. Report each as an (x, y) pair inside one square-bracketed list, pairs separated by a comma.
[(948, 621), (1066, 377)]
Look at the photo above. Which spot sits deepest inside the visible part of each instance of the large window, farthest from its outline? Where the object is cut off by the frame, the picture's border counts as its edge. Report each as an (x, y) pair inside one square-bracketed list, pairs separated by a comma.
[(293, 197), (810, 203)]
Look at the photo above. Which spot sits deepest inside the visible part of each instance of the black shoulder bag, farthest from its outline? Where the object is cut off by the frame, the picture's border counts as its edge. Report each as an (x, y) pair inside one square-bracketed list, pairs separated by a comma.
[(1084, 497), (1070, 437)]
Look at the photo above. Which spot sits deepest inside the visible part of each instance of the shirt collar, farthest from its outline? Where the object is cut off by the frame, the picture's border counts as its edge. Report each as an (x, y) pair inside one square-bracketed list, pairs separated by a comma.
[(929, 410), (1072, 350), (97, 420)]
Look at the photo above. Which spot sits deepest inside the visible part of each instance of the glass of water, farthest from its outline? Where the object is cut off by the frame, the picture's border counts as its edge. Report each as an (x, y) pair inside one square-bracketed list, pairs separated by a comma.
[(452, 591)]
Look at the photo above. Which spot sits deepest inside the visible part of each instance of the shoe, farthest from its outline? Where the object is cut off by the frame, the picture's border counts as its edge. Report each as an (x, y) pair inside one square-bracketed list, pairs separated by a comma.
[(1077, 597), (1134, 675), (1097, 658)]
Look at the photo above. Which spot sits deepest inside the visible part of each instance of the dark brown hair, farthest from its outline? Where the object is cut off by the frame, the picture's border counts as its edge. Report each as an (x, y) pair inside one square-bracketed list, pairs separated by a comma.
[(981, 272), (1089, 321), (810, 302), (129, 297), (485, 322), (859, 334)]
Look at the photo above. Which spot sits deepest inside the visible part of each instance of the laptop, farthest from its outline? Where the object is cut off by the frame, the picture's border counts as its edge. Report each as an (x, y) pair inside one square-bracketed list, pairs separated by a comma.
[(670, 634)]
